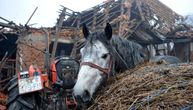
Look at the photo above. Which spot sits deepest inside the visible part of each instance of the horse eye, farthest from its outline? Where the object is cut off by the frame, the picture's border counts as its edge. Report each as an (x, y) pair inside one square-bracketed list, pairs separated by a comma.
[(104, 56)]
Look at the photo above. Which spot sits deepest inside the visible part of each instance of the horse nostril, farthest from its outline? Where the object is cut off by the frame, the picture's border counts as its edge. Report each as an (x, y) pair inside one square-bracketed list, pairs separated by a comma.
[(86, 96), (78, 97)]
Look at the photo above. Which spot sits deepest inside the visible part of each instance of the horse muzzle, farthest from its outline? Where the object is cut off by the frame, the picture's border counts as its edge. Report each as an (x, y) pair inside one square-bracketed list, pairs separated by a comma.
[(85, 97)]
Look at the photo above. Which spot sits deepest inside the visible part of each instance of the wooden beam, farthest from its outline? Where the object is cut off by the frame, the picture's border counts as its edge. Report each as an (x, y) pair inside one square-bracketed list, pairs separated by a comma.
[(121, 22), (138, 3), (106, 17), (60, 22), (47, 55), (94, 18), (78, 21)]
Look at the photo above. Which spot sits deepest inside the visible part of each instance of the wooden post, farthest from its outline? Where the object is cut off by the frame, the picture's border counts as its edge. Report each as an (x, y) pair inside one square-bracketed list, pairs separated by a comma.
[(128, 6), (125, 4), (106, 17), (121, 22), (189, 52), (47, 55), (78, 21), (152, 50), (94, 18), (138, 3), (58, 28)]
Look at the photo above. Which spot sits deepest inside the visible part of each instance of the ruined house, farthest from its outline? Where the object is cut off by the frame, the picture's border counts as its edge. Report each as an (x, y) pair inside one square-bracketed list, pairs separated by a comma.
[(149, 22)]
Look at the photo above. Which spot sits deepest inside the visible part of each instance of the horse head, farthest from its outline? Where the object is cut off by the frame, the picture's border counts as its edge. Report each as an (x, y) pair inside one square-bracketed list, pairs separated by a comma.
[(96, 62)]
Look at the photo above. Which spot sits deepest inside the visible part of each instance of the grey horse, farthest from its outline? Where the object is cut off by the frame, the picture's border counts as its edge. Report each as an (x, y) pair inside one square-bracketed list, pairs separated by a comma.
[(103, 55)]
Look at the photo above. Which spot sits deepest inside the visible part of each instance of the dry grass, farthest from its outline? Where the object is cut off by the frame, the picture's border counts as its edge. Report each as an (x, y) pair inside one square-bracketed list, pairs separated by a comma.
[(148, 86)]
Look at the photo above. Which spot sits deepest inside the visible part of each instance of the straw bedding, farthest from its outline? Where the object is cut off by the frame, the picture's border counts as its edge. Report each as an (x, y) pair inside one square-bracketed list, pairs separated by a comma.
[(148, 86)]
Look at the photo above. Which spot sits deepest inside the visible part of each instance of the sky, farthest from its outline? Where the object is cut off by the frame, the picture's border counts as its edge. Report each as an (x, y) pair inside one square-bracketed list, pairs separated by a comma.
[(19, 11)]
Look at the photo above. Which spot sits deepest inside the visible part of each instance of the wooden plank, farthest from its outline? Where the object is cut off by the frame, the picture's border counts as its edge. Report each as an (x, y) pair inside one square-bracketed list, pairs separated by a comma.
[(62, 16), (94, 18), (138, 3), (106, 17), (121, 22)]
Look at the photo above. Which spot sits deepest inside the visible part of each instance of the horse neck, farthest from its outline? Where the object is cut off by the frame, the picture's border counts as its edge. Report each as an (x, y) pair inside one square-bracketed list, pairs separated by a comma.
[(118, 60), (125, 53)]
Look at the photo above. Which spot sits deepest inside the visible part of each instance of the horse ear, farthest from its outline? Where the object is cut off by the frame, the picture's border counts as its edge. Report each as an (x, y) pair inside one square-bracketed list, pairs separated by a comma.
[(85, 31), (108, 31)]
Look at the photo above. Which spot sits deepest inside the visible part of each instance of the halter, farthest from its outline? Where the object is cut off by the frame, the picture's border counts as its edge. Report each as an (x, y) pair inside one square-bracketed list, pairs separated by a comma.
[(106, 71)]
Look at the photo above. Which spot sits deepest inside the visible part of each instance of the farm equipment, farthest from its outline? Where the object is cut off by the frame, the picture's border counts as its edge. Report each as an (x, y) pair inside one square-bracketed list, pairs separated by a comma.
[(51, 89), (34, 90)]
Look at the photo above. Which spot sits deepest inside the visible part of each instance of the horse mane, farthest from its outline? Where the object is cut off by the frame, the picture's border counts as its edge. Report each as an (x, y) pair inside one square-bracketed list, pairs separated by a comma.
[(130, 51), (125, 53)]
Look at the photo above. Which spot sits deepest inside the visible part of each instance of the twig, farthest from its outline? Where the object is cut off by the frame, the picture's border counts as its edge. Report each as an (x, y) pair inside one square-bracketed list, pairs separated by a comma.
[(133, 104)]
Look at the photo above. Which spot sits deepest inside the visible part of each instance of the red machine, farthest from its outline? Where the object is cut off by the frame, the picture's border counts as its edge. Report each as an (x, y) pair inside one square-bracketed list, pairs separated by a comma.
[(51, 90)]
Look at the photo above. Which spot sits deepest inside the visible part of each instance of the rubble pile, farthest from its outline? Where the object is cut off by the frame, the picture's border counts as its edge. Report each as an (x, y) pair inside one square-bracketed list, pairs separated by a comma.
[(148, 86), (70, 34)]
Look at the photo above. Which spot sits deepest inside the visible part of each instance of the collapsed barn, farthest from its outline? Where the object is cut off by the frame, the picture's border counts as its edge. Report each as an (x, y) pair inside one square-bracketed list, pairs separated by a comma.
[(156, 27), (148, 22)]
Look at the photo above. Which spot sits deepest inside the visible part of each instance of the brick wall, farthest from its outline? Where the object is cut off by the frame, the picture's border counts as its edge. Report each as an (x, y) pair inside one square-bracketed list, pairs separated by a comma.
[(31, 47)]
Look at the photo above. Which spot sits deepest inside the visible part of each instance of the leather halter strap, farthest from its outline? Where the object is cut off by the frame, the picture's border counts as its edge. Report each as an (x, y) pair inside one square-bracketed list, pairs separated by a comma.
[(106, 71)]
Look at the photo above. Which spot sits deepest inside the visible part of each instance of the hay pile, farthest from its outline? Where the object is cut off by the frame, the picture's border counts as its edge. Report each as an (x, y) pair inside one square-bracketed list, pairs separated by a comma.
[(149, 86)]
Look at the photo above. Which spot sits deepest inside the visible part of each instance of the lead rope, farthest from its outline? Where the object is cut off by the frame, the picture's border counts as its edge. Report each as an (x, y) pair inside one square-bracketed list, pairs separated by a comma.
[(120, 57)]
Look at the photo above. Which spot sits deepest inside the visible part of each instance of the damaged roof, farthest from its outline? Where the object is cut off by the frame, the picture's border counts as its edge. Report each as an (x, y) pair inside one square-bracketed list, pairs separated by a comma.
[(146, 21)]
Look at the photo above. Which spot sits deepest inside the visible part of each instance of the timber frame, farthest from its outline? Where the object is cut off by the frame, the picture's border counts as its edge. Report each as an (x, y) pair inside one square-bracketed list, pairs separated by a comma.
[(148, 22)]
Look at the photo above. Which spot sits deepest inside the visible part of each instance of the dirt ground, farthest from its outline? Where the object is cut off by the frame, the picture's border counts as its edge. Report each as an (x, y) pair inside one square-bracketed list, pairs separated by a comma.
[(148, 86)]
